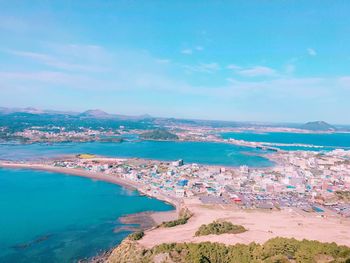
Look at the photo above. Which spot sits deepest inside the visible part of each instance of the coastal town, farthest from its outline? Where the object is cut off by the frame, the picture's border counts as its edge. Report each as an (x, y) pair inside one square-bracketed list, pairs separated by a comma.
[(175, 131), (288, 189), (309, 181)]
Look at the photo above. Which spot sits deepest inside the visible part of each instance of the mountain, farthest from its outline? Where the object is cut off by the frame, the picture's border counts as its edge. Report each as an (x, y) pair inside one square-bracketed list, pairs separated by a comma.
[(89, 114), (318, 126), (145, 116), (30, 110), (96, 114)]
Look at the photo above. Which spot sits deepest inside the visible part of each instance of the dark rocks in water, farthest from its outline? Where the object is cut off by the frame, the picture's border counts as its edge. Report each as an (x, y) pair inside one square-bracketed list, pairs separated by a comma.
[(126, 228), (31, 243), (134, 222), (142, 220), (100, 258)]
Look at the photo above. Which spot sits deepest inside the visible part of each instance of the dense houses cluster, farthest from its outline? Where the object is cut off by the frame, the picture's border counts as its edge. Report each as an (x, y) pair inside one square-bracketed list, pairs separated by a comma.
[(310, 181), (59, 134)]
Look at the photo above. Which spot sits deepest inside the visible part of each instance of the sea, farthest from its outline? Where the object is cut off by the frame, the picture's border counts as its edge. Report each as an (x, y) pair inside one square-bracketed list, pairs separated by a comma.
[(51, 217), (209, 153), (311, 141)]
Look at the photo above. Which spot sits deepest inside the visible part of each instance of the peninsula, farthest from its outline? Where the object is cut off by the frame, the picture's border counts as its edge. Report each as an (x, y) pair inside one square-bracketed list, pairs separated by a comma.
[(285, 200)]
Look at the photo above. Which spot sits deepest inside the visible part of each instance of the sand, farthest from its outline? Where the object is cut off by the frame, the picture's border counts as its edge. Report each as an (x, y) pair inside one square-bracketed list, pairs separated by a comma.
[(261, 225), (157, 217)]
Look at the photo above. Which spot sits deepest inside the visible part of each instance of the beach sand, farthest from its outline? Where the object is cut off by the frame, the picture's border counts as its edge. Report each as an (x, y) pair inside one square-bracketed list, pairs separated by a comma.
[(155, 217), (261, 225)]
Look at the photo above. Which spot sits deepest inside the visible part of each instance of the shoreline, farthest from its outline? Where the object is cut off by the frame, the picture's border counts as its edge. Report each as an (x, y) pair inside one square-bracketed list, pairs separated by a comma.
[(261, 226), (99, 177), (151, 218)]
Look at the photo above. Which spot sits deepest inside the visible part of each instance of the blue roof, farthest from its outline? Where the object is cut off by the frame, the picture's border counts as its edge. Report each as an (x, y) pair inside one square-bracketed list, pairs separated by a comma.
[(182, 182)]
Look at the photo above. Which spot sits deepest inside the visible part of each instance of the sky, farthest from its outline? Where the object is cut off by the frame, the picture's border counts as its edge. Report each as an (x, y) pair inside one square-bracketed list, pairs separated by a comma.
[(256, 60)]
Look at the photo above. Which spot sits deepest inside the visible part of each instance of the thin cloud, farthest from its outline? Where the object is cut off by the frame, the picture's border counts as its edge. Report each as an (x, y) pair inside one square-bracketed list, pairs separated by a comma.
[(312, 52), (257, 71), (163, 61), (187, 51), (233, 67), (204, 67), (290, 68), (344, 81), (53, 61)]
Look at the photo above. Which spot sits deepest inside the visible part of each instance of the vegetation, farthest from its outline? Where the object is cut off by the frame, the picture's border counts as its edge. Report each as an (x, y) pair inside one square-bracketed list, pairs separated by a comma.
[(318, 126), (184, 215), (343, 195), (275, 250), (218, 228), (160, 134), (19, 121), (136, 236)]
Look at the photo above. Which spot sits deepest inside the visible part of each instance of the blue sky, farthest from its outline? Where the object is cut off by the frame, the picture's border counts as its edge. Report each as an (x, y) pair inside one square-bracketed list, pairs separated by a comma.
[(262, 60)]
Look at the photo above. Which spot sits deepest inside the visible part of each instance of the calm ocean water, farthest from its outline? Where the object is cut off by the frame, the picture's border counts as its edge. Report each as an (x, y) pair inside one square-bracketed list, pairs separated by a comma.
[(329, 141), (191, 152), (49, 217)]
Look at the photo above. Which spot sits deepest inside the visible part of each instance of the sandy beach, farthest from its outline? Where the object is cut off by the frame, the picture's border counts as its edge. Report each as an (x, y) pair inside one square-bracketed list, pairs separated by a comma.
[(76, 172), (261, 225), (156, 217)]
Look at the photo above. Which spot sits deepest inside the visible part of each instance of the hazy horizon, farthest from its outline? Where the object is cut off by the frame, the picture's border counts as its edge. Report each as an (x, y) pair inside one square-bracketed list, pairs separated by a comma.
[(258, 61), (29, 108)]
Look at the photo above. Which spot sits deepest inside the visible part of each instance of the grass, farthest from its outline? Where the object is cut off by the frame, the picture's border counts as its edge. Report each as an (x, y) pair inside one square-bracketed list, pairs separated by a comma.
[(184, 216), (136, 236)]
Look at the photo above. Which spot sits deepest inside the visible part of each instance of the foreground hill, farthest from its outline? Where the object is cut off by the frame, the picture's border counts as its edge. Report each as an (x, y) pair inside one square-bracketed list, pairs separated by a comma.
[(318, 126), (274, 250), (270, 236)]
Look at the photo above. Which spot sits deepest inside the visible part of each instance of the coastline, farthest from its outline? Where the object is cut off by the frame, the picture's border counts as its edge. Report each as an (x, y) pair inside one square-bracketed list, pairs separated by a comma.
[(146, 220), (156, 216), (261, 225)]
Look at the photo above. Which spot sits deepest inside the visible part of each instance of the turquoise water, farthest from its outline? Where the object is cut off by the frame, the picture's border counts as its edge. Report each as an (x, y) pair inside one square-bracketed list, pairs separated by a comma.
[(191, 152), (328, 141), (50, 217)]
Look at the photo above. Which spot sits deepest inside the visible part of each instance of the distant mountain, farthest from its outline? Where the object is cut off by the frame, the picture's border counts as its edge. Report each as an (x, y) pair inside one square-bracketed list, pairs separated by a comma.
[(145, 116), (96, 114), (89, 114), (318, 126), (4, 110)]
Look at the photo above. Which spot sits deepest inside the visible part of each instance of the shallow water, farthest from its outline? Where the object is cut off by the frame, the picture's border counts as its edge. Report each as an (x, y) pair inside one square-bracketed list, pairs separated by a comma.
[(50, 217), (329, 141), (191, 152)]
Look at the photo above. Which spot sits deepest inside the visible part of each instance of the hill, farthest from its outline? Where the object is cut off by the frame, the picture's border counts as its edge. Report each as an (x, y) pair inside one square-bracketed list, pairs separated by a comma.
[(162, 135), (96, 114), (274, 250), (318, 126)]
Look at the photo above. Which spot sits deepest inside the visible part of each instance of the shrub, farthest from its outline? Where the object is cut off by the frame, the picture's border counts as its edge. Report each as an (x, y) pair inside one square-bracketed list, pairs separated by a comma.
[(218, 228), (136, 236), (184, 215)]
